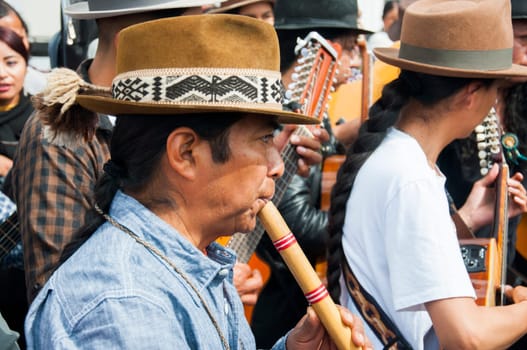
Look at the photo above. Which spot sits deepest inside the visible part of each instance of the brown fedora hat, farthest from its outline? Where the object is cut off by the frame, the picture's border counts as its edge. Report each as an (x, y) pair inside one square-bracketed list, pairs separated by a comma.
[(93, 9), (463, 38), (195, 64), (233, 4)]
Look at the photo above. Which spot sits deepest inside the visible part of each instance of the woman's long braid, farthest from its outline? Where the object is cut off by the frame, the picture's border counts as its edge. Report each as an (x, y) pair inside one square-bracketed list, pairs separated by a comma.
[(423, 88), (383, 114)]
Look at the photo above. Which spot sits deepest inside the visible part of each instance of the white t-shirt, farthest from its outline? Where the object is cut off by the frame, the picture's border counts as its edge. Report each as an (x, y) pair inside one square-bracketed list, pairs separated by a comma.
[(399, 238)]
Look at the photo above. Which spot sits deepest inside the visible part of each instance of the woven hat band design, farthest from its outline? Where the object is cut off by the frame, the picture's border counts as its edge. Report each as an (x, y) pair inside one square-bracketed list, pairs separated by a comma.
[(460, 59), (201, 87)]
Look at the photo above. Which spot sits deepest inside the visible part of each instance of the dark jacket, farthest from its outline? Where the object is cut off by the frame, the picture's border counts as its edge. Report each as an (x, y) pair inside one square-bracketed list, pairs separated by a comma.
[(11, 125)]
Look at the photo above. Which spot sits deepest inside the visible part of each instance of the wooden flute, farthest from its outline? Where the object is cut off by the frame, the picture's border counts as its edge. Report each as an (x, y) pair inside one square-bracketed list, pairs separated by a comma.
[(306, 277)]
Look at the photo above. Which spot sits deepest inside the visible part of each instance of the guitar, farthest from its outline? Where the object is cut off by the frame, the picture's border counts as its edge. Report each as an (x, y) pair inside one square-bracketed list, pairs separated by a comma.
[(9, 234), (486, 258), (313, 80)]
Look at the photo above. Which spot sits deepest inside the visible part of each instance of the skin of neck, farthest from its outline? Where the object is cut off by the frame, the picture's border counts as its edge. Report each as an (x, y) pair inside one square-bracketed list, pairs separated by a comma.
[(102, 70), (430, 127)]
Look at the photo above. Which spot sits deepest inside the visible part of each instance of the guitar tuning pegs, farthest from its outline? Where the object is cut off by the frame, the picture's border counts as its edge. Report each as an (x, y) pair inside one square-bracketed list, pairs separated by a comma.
[(483, 163), (479, 129), (484, 171), (294, 76), (288, 94), (482, 145), (304, 52), (480, 137), (482, 154)]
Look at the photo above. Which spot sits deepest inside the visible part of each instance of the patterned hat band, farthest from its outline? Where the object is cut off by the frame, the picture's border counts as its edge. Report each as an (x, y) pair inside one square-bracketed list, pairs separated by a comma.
[(201, 86)]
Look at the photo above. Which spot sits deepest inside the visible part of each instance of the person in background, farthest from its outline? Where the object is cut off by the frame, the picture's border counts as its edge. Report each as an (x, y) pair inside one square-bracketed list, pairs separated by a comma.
[(15, 109), (460, 162), (394, 247), (182, 172), (10, 301), (262, 10), (390, 14), (35, 80)]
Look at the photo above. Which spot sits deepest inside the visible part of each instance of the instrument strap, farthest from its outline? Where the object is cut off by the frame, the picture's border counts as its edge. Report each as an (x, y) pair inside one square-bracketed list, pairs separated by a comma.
[(379, 322)]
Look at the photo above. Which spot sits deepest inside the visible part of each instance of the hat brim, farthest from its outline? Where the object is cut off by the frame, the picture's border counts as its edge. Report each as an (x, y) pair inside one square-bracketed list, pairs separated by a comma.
[(391, 56), (80, 10), (107, 105)]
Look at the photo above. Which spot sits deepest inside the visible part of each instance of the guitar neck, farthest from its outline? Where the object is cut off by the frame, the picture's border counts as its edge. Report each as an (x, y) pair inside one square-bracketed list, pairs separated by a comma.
[(500, 228), (9, 235), (244, 244)]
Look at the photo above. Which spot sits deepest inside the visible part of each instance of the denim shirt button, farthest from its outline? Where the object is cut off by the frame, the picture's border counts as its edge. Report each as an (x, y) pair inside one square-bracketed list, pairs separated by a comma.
[(223, 272)]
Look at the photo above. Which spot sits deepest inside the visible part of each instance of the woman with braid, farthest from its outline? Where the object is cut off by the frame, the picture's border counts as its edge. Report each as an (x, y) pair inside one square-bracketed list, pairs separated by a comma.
[(393, 244)]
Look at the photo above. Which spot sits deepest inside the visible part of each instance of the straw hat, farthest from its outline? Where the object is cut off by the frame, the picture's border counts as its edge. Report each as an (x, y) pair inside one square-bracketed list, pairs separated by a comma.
[(465, 38), (194, 64), (233, 4), (92, 9), (519, 9)]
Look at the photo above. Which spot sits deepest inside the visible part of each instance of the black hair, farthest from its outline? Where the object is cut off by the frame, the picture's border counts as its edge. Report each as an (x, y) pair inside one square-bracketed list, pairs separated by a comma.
[(137, 145), (388, 6), (6, 9), (428, 90), (14, 41)]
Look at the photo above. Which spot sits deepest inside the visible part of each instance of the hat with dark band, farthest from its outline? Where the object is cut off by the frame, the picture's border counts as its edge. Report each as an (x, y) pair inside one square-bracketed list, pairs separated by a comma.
[(196, 64), (471, 38)]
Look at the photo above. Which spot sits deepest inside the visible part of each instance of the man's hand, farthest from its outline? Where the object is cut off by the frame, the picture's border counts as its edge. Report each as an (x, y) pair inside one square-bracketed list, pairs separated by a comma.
[(307, 148), (248, 283), (5, 165), (309, 333)]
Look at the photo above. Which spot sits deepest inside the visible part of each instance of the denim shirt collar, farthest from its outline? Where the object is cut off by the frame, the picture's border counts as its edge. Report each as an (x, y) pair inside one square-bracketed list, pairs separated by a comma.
[(202, 269)]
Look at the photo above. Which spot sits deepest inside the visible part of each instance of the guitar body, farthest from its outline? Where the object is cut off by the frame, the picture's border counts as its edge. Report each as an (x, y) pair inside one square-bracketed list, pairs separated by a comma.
[(481, 259), (329, 177)]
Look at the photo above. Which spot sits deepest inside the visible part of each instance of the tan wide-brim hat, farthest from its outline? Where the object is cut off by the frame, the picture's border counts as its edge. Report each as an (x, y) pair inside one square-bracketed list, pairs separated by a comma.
[(233, 4), (196, 64), (463, 38), (93, 9)]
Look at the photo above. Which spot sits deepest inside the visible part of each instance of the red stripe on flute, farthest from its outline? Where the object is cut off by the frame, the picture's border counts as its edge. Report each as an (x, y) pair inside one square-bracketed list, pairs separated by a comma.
[(317, 295), (285, 242)]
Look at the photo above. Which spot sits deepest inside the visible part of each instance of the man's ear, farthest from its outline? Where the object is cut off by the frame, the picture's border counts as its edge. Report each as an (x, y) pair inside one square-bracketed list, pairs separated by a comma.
[(181, 146)]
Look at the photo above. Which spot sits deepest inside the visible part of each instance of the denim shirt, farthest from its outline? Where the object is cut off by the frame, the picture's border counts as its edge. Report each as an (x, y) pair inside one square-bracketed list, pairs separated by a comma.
[(114, 293)]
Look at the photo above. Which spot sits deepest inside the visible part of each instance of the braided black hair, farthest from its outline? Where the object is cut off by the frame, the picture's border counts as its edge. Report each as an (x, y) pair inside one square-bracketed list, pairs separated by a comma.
[(427, 90)]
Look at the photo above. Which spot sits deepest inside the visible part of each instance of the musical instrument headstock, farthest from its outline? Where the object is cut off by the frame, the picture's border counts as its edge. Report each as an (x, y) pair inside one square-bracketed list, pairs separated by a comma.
[(488, 137), (314, 74)]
